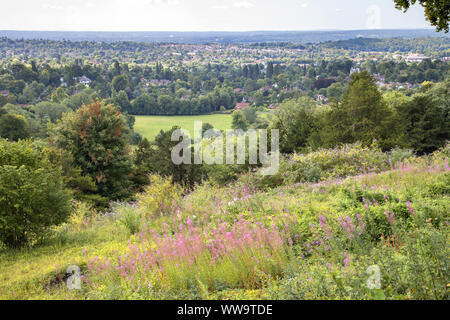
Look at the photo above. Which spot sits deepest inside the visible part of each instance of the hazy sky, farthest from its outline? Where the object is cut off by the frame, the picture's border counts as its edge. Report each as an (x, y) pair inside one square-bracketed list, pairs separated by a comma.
[(205, 15)]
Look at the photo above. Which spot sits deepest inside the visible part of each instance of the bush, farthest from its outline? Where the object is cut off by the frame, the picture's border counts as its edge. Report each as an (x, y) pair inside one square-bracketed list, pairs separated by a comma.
[(131, 218), (341, 162), (400, 155), (159, 197), (323, 164), (32, 194)]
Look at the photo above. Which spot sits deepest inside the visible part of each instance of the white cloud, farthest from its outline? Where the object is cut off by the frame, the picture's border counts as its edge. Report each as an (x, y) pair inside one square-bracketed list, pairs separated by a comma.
[(51, 6), (219, 7), (173, 2), (305, 4), (244, 5)]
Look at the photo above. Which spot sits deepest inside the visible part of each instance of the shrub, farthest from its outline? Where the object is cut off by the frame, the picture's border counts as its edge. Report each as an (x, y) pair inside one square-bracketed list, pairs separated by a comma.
[(82, 214), (323, 164), (131, 218), (400, 155), (32, 194), (160, 197)]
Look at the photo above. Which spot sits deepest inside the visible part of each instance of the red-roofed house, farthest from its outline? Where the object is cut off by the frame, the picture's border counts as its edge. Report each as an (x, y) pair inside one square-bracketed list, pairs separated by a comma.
[(5, 93), (242, 105)]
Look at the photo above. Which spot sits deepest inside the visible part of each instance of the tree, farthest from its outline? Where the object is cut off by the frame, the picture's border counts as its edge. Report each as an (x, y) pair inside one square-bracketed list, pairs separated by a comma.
[(205, 127), (50, 110), (120, 83), (3, 101), (425, 119), (17, 86), (156, 157), (250, 115), (269, 72), (32, 194), (239, 120), (13, 127), (335, 91), (96, 136), (295, 120), (437, 12), (121, 100), (363, 115), (59, 95)]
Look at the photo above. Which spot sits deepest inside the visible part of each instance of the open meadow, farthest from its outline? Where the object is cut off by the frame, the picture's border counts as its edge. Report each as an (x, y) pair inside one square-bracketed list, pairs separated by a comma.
[(150, 126)]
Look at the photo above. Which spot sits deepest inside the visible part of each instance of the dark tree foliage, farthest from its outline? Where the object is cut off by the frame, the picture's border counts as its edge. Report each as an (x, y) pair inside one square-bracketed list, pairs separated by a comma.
[(156, 157), (362, 115), (426, 119), (13, 127), (436, 11)]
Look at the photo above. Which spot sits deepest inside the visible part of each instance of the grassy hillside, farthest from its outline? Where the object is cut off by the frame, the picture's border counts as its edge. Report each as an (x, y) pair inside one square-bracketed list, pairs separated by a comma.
[(150, 126), (297, 241)]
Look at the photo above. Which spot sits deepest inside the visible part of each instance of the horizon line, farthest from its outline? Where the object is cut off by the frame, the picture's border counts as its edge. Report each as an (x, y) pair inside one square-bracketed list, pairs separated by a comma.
[(230, 31)]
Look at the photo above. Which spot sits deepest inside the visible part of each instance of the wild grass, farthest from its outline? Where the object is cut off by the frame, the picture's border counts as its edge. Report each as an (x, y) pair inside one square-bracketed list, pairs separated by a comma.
[(296, 241)]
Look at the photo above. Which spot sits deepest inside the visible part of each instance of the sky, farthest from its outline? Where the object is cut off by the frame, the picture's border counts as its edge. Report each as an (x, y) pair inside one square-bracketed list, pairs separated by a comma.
[(206, 15)]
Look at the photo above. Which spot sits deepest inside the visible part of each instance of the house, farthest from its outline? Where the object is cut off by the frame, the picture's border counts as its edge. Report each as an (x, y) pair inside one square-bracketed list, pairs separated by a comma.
[(265, 88), (242, 105), (158, 82), (378, 77), (445, 59), (5, 93), (354, 70), (413, 57), (379, 80), (320, 98), (84, 80)]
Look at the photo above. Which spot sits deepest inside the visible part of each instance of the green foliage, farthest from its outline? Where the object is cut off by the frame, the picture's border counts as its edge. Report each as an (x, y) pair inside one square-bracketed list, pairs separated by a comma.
[(425, 119), (96, 138), (362, 115), (341, 162), (295, 120), (441, 187), (317, 256), (239, 120), (436, 12), (156, 157), (160, 197), (13, 127), (120, 83), (82, 187), (32, 194), (130, 217), (51, 111)]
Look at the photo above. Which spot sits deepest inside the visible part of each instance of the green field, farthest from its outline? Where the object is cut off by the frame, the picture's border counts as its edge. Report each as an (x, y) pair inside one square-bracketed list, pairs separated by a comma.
[(150, 126)]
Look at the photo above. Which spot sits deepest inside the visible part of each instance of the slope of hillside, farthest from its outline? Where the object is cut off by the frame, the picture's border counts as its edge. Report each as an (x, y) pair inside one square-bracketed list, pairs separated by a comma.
[(372, 236)]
